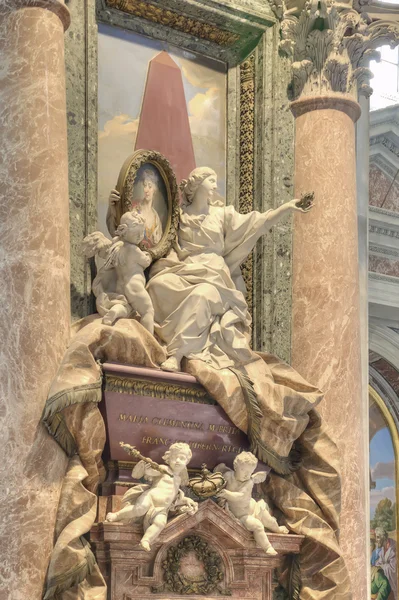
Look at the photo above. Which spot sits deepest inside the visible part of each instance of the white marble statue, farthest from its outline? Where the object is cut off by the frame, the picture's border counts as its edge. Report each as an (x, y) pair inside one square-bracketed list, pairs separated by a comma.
[(119, 286), (155, 500), (197, 290), (254, 515)]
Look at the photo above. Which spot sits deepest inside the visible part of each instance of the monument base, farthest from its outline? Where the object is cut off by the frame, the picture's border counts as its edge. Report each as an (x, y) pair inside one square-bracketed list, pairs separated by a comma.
[(209, 555)]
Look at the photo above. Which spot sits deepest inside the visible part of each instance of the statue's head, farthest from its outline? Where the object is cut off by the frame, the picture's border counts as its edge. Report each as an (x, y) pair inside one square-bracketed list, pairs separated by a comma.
[(131, 228), (245, 464), (177, 457), (202, 178)]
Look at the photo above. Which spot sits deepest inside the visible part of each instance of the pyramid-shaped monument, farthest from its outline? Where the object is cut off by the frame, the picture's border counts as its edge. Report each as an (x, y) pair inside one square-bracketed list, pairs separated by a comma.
[(164, 125)]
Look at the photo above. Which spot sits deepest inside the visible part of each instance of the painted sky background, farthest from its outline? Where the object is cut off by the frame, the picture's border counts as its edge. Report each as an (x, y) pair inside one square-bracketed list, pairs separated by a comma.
[(123, 58), (382, 464)]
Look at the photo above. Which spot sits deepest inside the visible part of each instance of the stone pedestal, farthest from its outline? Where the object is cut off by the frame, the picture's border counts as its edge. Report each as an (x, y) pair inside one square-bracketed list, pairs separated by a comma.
[(326, 326), (213, 547), (34, 275)]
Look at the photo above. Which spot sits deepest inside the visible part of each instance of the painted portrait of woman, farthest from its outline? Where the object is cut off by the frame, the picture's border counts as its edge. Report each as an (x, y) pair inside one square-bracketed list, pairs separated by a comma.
[(149, 199)]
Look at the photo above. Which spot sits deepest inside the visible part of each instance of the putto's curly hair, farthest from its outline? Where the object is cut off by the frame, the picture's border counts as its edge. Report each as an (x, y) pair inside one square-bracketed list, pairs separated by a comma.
[(177, 448), (246, 458), (189, 187), (128, 220)]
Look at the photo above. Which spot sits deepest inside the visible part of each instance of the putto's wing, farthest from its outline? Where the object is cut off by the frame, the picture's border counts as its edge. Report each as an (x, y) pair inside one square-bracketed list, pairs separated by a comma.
[(150, 474), (95, 243), (112, 257), (259, 477), (139, 470), (222, 468)]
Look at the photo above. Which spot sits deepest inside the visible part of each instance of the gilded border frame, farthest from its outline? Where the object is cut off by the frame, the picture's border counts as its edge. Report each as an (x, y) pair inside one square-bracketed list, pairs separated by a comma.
[(126, 180)]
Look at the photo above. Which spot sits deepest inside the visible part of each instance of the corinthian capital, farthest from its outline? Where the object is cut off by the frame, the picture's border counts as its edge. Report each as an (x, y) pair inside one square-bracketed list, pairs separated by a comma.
[(331, 44)]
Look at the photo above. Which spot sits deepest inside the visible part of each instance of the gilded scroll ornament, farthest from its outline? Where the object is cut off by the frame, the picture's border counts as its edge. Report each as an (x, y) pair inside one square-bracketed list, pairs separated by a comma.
[(247, 116), (124, 385), (161, 16)]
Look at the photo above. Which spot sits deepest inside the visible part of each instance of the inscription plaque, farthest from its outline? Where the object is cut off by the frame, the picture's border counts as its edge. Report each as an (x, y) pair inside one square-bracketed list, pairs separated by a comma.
[(152, 421)]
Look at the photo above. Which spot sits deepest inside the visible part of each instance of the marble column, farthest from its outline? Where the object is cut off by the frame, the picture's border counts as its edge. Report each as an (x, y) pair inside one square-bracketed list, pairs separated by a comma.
[(326, 325), (330, 46), (34, 275)]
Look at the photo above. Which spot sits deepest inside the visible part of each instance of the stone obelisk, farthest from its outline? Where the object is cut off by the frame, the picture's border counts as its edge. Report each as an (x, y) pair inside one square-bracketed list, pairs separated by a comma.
[(164, 124)]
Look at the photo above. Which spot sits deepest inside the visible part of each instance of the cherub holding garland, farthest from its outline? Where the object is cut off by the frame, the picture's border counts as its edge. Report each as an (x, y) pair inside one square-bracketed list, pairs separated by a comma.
[(162, 494), (254, 515)]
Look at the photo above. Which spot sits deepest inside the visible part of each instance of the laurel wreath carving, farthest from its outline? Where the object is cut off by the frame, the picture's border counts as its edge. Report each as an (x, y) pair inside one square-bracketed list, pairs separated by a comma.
[(174, 579)]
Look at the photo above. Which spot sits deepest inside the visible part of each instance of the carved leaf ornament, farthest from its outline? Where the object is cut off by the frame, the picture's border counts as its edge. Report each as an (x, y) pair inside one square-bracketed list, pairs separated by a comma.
[(176, 581), (331, 45)]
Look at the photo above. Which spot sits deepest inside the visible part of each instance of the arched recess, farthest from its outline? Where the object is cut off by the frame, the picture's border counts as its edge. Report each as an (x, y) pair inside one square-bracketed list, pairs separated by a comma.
[(384, 486)]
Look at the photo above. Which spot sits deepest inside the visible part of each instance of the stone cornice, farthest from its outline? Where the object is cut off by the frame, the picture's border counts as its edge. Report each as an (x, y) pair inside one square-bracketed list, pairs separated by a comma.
[(381, 230), (383, 251), (389, 167), (56, 6)]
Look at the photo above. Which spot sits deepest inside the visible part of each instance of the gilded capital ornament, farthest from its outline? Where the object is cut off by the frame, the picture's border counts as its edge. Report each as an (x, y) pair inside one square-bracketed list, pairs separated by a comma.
[(331, 45)]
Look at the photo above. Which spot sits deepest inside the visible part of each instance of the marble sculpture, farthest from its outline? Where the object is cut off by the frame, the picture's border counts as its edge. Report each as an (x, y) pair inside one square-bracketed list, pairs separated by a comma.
[(154, 501), (120, 283), (237, 499)]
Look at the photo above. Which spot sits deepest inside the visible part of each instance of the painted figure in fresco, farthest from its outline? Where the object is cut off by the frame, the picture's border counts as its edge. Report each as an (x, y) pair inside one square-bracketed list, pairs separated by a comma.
[(374, 552), (162, 494), (153, 226), (387, 558), (255, 516), (119, 286), (197, 290)]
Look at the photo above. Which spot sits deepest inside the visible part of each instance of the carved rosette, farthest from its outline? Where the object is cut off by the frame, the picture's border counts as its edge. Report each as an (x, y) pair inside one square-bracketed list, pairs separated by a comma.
[(331, 45), (247, 117)]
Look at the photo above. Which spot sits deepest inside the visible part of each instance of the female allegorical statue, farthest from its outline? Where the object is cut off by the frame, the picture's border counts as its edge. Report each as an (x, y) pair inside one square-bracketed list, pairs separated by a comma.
[(197, 290)]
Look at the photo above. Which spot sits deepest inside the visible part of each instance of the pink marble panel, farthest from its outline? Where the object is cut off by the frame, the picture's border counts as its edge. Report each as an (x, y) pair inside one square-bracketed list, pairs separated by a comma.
[(386, 266), (384, 193)]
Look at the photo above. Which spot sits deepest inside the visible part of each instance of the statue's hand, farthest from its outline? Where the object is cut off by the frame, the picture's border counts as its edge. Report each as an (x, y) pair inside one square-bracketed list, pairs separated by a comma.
[(114, 199), (304, 204)]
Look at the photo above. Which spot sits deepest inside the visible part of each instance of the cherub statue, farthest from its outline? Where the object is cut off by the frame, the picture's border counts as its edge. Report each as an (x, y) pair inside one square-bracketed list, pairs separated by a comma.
[(120, 283), (162, 495), (255, 516)]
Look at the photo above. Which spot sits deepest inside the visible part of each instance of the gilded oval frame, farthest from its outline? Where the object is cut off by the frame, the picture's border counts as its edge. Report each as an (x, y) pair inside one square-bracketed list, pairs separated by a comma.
[(125, 184)]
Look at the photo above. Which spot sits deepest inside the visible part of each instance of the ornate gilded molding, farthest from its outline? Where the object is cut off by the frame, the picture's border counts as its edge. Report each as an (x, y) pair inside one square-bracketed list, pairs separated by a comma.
[(179, 582), (331, 45), (247, 142), (183, 23), (139, 387)]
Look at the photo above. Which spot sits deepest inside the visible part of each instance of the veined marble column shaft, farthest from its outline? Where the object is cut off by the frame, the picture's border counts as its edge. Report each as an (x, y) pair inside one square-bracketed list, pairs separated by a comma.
[(326, 325), (34, 275)]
